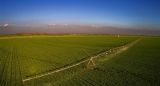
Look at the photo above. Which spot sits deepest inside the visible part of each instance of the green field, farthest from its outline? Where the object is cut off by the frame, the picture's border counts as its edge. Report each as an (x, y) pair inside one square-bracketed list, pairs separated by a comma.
[(23, 57)]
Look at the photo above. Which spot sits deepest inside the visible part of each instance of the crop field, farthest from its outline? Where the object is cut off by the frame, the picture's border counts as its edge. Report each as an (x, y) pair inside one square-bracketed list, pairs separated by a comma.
[(46, 60)]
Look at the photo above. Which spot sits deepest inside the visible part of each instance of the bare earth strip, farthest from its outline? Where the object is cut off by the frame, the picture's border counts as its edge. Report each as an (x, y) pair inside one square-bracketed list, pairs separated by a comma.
[(112, 51), (18, 37), (15, 37)]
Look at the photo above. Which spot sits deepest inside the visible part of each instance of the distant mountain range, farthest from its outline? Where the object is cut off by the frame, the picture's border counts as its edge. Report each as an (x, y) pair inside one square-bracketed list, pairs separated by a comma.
[(76, 29)]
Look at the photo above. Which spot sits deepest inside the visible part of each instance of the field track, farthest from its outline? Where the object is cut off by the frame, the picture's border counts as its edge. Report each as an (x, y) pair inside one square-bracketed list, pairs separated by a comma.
[(112, 51)]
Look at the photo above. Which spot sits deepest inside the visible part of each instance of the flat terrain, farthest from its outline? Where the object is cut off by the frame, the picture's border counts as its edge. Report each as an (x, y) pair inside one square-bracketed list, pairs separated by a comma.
[(23, 57)]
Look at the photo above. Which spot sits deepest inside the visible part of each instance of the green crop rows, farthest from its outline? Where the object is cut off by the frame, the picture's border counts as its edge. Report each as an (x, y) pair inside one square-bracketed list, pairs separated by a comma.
[(26, 56)]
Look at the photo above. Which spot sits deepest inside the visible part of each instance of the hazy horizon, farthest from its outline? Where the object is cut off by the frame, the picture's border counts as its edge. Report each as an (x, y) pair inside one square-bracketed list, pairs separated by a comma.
[(123, 13)]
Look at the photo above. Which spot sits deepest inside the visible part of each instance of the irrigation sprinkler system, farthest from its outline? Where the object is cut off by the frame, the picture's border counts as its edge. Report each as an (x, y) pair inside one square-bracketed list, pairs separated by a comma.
[(91, 64), (90, 61)]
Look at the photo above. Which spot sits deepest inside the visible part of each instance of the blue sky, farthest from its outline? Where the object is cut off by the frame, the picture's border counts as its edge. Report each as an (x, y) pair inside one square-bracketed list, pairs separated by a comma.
[(108, 12)]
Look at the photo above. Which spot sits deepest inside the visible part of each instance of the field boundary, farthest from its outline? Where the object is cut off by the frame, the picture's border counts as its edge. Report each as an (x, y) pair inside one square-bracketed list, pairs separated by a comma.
[(115, 50), (34, 36)]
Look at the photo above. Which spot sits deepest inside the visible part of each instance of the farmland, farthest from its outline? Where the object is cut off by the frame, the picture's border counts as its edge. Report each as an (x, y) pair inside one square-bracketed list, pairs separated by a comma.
[(22, 57)]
